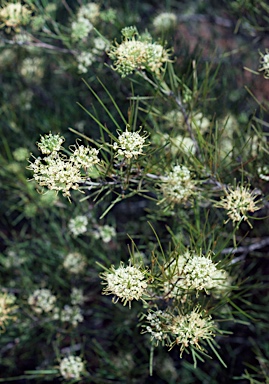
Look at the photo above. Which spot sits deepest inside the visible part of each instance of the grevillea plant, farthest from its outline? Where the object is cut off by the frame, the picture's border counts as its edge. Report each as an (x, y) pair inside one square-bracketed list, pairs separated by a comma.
[(143, 214), (186, 286)]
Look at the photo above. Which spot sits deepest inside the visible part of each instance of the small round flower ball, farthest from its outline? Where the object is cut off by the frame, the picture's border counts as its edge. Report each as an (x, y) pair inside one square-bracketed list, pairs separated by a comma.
[(165, 21), (126, 283), (74, 262), (78, 225), (42, 300), (71, 367)]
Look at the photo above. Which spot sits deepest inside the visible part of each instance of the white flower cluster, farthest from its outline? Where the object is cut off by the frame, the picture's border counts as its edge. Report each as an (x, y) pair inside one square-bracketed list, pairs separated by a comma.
[(105, 233), (100, 46), (134, 54), (186, 330), (74, 262), (20, 154), (80, 28), (78, 225), (15, 14), (191, 328), (50, 143), (193, 272), (69, 314), (71, 367), (77, 297), (126, 283), (85, 60), (165, 21), (178, 185), (158, 323), (238, 201), (84, 157), (263, 172), (264, 63), (32, 68), (7, 308), (89, 11), (58, 172), (87, 16), (13, 258), (129, 145), (42, 300)]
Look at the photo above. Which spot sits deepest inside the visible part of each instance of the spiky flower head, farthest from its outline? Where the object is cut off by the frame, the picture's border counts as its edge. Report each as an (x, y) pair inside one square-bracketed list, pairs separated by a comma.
[(157, 324), (264, 63), (192, 272), (71, 367), (238, 202), (42, 300), (126, 283), (57, 174), (50, 143), (129, 145), (85, 157), (135, 54), (178, 185), (165, 21), (13, 15), (191, 328), (7, 309)]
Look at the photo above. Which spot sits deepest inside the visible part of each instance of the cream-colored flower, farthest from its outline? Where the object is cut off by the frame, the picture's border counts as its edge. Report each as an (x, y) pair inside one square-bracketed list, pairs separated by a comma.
[(14, 15), (57, 174), (74, 262), (157, 326), (85, 157), (42, 300), (90, 11), (85, 60), (129, 145), (126, 283), (77, 297), (78, 225), (80, 29), (69, 314), (192, 272), (50, 143), (105, 233), (71, 367), (264, 63), (238, 202), (165, 21), (178, 185), (134, 54), (189, 329), (7, 309)]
